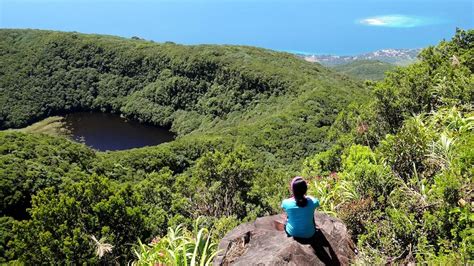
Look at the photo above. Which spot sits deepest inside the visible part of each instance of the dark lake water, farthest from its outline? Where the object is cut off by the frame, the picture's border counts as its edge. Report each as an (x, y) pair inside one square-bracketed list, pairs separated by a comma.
[(111, 132)]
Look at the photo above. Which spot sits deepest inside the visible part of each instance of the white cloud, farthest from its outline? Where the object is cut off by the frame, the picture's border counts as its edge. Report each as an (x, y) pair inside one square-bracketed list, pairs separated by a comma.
[(398, 21)]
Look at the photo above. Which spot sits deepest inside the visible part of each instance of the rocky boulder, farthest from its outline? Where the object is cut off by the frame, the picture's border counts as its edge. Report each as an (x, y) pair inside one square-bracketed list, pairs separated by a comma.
[(263, 242)]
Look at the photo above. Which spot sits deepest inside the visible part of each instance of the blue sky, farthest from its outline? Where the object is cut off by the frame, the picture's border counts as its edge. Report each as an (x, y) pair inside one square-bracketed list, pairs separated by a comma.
[(317, 26)]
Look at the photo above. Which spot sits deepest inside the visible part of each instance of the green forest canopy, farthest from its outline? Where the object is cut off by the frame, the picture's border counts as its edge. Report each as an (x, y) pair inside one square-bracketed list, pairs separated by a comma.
[(247, 119), (365, 69)]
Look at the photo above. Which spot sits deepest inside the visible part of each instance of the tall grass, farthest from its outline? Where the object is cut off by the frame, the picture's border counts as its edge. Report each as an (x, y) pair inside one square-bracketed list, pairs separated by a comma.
[(332, 193), (179, 246)]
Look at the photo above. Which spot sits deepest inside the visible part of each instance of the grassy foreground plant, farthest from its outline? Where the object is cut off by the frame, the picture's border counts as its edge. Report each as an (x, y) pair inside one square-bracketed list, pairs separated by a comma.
[(178, 247)]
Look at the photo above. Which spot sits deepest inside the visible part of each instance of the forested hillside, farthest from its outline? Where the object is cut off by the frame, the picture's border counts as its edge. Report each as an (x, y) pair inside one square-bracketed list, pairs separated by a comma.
[(245, 118), (393, 159), (241, 91), (52, 72), (365, 69)]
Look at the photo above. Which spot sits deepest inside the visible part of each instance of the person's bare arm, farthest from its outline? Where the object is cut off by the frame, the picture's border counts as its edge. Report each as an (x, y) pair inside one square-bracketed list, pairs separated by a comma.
[(280, 224)]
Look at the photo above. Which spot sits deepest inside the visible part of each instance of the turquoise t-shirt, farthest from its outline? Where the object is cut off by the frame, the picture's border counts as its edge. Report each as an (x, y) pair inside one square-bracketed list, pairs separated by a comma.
[(300, 219)]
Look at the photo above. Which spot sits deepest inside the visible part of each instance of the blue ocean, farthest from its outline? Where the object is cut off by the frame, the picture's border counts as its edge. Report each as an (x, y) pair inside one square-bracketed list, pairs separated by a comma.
[(316, 27)]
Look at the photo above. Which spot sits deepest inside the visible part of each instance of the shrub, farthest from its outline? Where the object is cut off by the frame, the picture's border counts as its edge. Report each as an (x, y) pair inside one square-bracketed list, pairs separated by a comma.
[(179, 246), (370, 178)]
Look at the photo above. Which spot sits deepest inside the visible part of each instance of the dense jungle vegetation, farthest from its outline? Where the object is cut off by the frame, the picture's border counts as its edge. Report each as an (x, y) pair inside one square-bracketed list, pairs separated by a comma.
[(365, 69), (393, 159)]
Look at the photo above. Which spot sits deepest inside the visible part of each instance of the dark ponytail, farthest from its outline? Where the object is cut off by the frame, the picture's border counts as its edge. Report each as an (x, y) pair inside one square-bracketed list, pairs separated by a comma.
[(299, 188)]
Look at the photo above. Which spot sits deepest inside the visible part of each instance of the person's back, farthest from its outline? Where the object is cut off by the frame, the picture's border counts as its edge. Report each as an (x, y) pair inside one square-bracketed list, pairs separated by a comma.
[(300, 211)]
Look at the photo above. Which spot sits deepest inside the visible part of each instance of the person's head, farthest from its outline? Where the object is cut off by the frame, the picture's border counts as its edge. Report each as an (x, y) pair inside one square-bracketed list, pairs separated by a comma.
[(298, 188)]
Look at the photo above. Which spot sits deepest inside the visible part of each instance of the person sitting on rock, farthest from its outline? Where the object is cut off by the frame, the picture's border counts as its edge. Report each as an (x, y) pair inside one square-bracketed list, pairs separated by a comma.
[(300, 210)]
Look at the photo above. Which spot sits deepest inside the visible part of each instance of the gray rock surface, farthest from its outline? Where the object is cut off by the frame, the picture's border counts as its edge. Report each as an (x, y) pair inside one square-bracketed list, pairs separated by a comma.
[(261, 243)]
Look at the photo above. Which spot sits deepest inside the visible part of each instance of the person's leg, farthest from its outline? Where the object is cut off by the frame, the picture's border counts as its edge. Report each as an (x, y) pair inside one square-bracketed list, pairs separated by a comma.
[(323, 249)]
